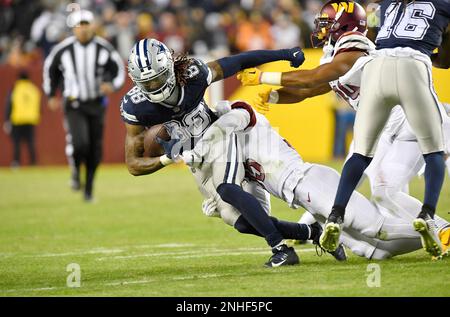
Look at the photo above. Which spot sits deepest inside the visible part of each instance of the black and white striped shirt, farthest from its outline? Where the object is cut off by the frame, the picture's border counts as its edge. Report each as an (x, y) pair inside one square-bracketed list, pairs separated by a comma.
[(82, 68)]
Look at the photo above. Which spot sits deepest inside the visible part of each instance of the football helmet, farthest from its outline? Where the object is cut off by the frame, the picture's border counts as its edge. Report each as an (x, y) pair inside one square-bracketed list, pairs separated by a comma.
[(336, 18), (151, 68)]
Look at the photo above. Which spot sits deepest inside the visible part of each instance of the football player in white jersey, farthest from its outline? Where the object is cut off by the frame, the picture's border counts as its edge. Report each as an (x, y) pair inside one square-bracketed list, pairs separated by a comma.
[(272, 165), (397, 159)]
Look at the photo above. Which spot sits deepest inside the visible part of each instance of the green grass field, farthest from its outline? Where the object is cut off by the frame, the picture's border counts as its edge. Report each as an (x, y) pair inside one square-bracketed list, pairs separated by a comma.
[(147, 236)]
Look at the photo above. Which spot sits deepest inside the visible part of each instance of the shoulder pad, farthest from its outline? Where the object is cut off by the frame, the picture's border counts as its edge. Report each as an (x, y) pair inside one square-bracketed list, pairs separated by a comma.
[(198, 70), (353, 41), (127, 110)]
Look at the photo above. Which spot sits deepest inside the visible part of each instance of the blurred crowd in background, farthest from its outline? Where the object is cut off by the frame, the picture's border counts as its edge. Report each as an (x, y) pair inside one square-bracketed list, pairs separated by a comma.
[(29, 29)]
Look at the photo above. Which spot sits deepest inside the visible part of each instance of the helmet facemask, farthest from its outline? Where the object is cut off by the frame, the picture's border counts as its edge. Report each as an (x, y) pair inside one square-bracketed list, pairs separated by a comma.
[(321, 33), (152, 71), (158, 88)]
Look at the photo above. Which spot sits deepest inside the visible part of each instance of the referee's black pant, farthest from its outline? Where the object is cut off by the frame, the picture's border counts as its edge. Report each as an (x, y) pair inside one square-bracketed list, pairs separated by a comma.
[(19, 133), (84, 123)]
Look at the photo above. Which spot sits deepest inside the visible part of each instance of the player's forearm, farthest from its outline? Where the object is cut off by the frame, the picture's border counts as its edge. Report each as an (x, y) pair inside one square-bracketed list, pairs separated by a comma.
[(287, 95), (292, 95), (235, 63), (299, 79), (138, 166)]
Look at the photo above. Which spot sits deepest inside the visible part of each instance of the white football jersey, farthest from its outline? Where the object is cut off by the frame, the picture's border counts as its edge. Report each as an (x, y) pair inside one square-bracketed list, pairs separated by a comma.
[(347, 86), (272, 161)]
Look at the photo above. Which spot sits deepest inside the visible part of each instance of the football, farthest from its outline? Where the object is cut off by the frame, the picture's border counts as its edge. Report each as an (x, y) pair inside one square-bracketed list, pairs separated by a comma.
[(151, 147)]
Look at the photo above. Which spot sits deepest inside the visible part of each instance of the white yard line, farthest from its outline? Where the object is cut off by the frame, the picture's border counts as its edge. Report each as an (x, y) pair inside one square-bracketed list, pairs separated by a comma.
[(209, 252), (100, 250), (195, 253), (93, 251)]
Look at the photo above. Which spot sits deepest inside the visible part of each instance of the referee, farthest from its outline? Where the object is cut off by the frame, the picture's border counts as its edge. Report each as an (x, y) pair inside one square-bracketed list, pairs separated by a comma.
[(86, 68)]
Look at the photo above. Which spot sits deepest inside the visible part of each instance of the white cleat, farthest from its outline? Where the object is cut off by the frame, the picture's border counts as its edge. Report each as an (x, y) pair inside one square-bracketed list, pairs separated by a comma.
[(428, 235), (329, 239)]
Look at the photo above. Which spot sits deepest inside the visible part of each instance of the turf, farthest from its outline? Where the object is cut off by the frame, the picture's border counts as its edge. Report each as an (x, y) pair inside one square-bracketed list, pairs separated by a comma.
[(147, 236)]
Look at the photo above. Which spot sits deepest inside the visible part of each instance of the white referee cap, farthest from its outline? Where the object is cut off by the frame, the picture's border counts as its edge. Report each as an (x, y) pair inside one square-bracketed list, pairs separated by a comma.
[(79, 16)]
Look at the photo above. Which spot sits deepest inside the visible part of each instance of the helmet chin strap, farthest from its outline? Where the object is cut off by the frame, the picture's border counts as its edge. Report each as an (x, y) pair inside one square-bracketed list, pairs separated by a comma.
[(174, 95)]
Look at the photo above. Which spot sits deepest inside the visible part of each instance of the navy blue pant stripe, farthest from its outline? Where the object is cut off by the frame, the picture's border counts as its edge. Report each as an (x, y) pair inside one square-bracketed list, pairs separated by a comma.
[(236, 160), (227, 170)]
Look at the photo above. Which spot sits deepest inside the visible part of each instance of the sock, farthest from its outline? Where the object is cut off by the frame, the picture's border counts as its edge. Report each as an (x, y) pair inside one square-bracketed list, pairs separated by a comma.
[(243, 226), (314, 233), (351, 174), (292, 230), (251, 210), (434, 178)]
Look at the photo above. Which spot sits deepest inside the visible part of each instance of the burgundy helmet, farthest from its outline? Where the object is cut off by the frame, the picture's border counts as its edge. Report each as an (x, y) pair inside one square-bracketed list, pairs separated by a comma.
[(336, 18)]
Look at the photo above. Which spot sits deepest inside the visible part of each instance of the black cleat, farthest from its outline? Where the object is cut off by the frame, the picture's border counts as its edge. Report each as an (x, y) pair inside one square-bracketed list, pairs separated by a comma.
[(282, 255), (339, 254)]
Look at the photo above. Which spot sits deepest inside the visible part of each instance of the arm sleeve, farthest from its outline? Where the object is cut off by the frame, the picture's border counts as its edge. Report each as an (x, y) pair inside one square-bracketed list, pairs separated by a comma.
[(116, 69), (235, 63), (52, 73)]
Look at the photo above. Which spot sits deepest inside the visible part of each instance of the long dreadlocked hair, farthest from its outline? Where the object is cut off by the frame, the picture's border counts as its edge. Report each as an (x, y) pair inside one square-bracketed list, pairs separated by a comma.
[(181, 64)]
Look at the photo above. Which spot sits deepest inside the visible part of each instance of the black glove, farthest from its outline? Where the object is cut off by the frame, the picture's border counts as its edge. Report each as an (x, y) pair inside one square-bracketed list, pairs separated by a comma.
[(296, 56)]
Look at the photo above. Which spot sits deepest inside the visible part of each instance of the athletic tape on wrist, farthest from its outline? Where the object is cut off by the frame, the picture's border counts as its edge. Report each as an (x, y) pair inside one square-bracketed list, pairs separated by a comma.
[(165, 160), (271, 78)]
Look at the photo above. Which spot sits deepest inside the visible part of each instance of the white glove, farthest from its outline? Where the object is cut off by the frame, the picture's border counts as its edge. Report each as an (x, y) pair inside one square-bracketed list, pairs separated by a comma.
[(191, 158), (209, 208)]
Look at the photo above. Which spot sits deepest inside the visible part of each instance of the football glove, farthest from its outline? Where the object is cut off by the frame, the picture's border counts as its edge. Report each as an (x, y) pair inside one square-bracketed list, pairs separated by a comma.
[(297, 57), (191, 158), (250, 77), (172, 148), (209, 208), (261, 101)]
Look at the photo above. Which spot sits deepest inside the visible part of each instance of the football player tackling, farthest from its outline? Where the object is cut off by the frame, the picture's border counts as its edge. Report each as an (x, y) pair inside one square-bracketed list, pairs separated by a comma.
[(346, 53), (171, 91)]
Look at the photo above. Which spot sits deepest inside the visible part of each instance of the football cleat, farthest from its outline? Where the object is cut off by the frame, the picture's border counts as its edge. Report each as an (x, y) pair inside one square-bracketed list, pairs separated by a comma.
[(444, 236), (329, 239), (282, 255), (339, 254), (426, 227)]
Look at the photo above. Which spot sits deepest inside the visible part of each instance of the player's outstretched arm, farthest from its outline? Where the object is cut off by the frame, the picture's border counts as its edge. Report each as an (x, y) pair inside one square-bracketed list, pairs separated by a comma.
[(312, 78), (286, 95), (230, 65), (442, 58), (134, 153)]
